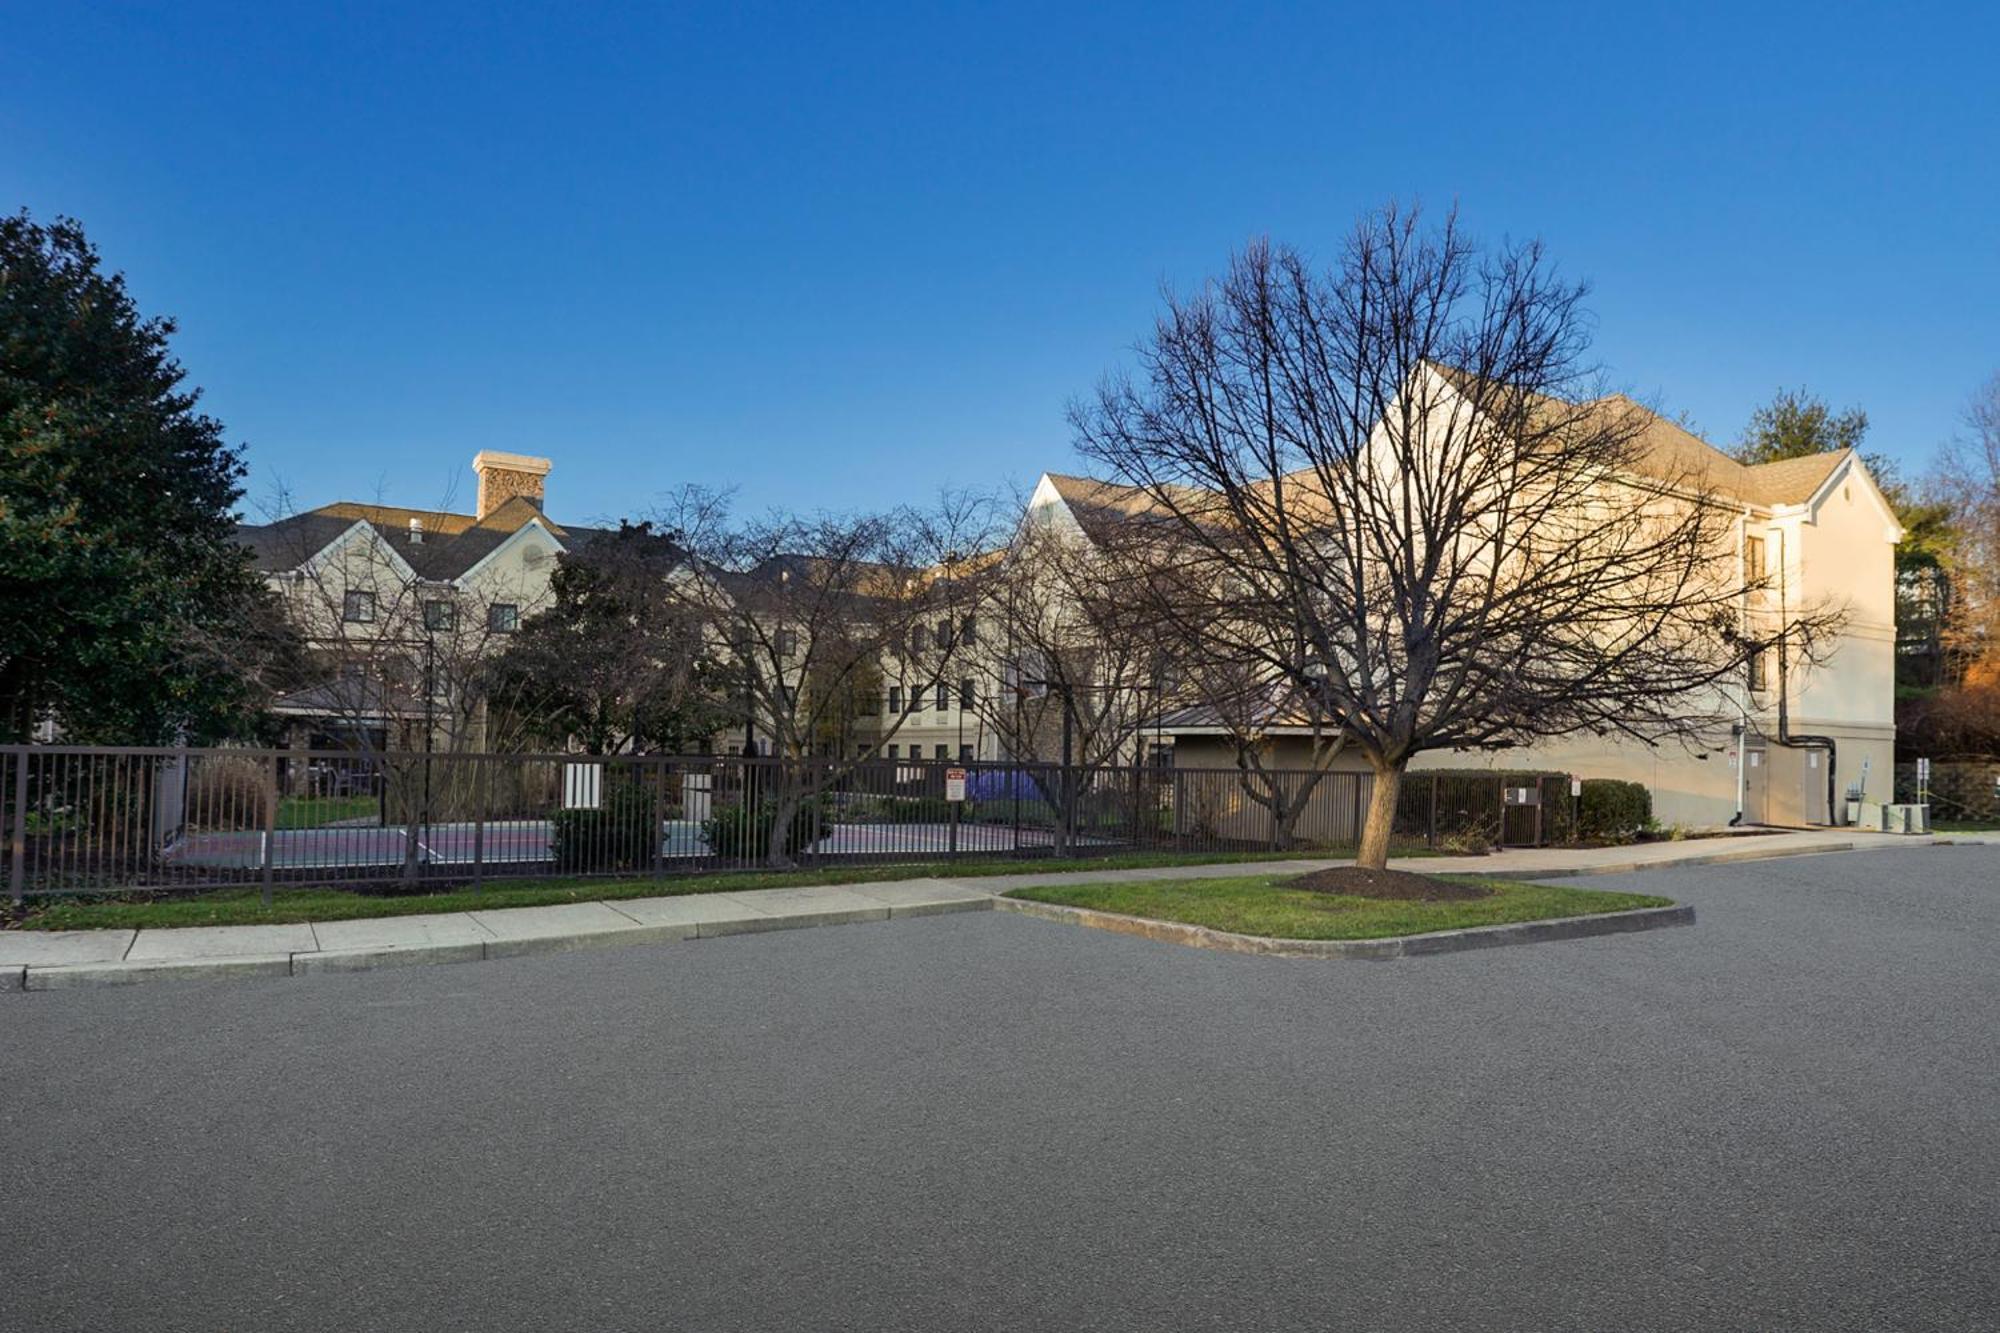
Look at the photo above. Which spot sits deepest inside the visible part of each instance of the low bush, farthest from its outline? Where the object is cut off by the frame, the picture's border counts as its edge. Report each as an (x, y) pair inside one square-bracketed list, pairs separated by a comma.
[(744, 832), (227, 792), (1613, 809), (622, 834)]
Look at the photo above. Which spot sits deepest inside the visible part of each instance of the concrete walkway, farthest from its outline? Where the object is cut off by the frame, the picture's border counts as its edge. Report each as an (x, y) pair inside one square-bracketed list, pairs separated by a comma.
[(53, 960)]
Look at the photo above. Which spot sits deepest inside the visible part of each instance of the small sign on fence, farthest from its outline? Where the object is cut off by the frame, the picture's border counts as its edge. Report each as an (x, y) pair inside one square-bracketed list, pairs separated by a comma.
[(1923, 770), (583, 786), (954, 784)]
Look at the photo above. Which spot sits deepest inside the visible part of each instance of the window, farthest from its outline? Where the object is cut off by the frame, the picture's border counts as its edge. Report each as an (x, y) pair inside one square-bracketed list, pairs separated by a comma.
[(895, 703), (895, 750), (1760, 673), (919, 640), (965, 754), (916, 698), (788, 642), (943, 699), (440, 617), (358, 608), (1753, 560), (944, 634), (968, 692), (968, 632), (942, 752), (503, 617)]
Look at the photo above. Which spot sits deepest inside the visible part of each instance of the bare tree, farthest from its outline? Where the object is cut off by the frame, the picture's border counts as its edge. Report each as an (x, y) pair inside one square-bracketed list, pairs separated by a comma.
[(396, 662), (1968, 477), (1404, 460), (1075, 659), (818, 615), (1254, 709), (1079, 674)]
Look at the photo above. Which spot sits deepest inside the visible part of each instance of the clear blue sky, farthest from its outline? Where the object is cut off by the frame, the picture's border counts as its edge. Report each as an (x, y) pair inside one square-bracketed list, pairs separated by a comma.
[(844, 255)]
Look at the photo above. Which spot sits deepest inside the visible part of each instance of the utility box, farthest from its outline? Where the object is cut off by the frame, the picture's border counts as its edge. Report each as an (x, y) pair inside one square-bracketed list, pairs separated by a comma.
[(1906, 818)]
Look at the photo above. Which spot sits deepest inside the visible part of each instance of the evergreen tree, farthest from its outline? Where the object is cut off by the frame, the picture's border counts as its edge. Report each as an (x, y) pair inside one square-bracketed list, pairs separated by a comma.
[(124, 589)]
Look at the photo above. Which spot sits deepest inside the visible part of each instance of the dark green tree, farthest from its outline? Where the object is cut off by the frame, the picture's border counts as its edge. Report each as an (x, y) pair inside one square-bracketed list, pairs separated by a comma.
[(612, 664), (126, 602), (1796, 423)]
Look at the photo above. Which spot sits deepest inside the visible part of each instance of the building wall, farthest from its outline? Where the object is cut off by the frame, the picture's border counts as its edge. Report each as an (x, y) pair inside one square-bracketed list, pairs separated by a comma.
[(1695, 787)]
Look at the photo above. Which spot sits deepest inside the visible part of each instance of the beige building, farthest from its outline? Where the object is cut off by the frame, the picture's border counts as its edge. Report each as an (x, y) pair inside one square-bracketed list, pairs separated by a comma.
[(1821, 534), (399, 605)]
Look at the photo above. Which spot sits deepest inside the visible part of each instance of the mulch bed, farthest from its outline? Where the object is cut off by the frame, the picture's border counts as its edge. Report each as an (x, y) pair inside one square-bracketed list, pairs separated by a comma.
[(1357, 882)]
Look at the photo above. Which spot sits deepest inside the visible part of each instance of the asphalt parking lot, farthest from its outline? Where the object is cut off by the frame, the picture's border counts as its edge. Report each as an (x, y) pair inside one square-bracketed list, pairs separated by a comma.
[(1787, 1116)]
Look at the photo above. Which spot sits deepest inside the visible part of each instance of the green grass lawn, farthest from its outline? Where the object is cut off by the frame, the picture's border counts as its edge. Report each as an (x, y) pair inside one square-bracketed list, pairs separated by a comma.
[(245, 906), (1261, 905), (320, 811)]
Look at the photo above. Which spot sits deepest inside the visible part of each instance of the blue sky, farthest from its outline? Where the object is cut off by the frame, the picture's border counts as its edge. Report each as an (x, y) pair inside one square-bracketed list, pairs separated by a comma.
[(843, 255)]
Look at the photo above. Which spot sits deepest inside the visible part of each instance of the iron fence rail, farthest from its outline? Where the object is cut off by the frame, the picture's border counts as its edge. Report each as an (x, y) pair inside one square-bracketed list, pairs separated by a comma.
[(92, 820)]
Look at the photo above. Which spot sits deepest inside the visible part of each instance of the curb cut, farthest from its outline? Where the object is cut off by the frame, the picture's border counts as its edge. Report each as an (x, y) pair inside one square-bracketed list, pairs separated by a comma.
[(1401, 946)]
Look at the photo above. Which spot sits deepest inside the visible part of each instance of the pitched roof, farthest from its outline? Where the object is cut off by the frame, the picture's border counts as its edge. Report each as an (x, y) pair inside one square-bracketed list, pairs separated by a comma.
[(1668, 451), (452, 543)]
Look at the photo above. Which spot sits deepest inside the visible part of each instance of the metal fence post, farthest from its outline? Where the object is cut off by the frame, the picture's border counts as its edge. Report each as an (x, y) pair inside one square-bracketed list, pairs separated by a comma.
[(17, 875), (658, 806), (270, 826), (479, 781)]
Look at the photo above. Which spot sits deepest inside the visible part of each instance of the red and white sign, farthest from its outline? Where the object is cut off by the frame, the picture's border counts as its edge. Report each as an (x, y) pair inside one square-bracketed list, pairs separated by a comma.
[(954, 784)]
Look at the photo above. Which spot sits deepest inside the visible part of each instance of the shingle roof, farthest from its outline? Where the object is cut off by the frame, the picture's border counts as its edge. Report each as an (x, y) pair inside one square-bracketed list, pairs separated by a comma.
[(451, 545), (1669, 451)]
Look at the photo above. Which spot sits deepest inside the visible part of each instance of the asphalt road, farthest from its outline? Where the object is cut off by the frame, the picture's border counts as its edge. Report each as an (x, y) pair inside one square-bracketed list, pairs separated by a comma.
[(1785, 1117)]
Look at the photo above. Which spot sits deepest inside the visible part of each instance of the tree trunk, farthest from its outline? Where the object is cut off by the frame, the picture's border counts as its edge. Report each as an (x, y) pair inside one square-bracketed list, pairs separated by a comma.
[(777, 855), (1381, 818)]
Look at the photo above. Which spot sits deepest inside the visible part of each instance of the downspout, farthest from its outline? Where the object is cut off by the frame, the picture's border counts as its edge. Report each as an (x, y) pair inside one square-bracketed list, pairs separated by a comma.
[(1784, 736), (1743, 708)]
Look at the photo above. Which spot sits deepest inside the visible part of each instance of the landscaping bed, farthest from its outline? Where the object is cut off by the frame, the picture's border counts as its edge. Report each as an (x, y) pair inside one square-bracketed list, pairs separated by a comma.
[(1279, 907)]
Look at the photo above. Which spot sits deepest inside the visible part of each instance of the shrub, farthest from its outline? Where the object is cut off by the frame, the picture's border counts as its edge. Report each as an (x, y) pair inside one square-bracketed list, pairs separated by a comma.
[(622, 834), (744, 832), (227, 792), (1613, 809)]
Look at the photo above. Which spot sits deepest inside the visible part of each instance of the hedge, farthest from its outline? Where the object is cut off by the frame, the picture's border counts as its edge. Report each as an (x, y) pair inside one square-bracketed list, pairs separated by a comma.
[(744, 832), (622, 834), (1613, 809)]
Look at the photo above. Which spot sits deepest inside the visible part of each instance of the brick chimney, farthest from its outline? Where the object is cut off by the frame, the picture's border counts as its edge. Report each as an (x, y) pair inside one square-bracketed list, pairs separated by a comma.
[(504, 476)]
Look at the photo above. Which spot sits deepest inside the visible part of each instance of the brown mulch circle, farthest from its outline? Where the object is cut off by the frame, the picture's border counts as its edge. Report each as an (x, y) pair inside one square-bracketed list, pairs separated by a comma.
[(1399, 884)]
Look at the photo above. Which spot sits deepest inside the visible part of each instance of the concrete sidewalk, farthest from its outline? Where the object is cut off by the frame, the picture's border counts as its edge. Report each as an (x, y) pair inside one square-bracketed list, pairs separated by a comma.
[(53, 960)]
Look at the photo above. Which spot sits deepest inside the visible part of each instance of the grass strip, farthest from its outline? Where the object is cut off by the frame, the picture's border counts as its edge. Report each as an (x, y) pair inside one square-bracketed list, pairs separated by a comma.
[(1262, 905), (245, 906)]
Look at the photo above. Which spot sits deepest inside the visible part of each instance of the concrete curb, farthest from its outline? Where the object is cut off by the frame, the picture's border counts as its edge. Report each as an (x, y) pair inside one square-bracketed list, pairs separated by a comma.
[(1401, 946), (1712, 859), (894, 900), (71, 976)]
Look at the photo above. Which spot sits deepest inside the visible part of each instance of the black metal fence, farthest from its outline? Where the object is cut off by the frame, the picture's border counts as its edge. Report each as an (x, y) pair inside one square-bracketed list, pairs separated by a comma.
[(95, 820)]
